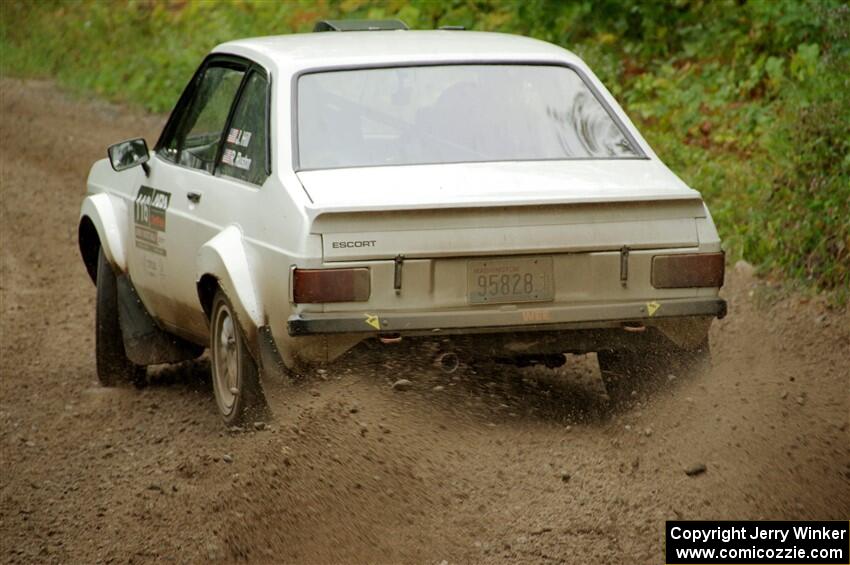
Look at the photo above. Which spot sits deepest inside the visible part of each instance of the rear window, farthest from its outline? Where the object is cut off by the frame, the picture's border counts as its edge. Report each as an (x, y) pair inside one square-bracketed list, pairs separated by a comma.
[(452, 114)]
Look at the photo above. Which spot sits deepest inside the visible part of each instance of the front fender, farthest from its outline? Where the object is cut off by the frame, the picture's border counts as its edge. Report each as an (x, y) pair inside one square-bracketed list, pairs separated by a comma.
[(224, 258), (108, 214)]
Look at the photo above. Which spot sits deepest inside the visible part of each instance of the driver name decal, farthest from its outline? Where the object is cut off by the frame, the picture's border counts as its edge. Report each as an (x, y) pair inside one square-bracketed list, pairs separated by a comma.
[(239, 137), (149, 216), (235, 159)]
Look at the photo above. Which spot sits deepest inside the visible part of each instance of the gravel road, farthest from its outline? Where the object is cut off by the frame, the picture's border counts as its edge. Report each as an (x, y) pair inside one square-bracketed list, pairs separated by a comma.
[(522, 466)]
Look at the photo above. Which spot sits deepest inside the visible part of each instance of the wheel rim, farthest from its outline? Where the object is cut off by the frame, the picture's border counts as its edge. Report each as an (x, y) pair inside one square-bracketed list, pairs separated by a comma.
[(225, 359)]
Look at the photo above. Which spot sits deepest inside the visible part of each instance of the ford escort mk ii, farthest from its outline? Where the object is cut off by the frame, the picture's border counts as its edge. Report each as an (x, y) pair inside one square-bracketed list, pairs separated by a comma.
[(310, 192)]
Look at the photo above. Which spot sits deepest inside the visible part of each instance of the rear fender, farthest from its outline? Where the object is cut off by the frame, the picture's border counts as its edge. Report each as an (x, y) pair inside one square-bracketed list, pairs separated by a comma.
[(109, 217), (224, 258), (144, 342)]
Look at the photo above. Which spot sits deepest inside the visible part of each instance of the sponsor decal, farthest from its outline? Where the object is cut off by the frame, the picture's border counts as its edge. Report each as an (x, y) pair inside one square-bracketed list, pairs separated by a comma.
[(652, 308), (154, 266), (149, 215), (152, 248), (373, 320), (536, 316), (150, 206)]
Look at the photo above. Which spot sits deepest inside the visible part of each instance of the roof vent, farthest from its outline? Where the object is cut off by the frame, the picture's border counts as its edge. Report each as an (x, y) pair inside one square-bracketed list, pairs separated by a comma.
[(359, 25), (452, 28)]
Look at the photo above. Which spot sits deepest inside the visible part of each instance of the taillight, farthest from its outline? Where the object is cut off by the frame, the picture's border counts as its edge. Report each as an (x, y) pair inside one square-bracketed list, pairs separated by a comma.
[(312, 286), (688, 271)]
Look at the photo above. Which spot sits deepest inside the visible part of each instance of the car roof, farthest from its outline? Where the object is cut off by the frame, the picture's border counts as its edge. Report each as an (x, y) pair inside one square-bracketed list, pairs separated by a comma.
[(302, 51)]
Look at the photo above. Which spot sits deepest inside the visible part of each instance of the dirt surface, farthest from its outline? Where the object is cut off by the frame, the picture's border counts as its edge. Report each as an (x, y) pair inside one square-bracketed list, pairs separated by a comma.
[(522, 466)]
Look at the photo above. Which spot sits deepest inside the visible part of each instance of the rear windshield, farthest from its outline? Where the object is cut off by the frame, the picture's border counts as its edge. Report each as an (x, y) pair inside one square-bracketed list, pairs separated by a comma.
[(452, 114)]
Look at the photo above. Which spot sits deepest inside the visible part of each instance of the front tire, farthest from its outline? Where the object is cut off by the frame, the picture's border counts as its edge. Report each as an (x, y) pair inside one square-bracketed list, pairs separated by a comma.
[(113, 366), (236, 383)]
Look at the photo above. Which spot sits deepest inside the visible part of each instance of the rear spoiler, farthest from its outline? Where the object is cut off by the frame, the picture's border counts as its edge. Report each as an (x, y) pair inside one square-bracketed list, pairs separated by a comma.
[(314, 212), (554, 228)]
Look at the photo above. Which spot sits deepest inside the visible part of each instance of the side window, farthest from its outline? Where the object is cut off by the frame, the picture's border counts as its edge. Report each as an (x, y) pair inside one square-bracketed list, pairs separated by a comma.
[(195, 141), (245, 147)]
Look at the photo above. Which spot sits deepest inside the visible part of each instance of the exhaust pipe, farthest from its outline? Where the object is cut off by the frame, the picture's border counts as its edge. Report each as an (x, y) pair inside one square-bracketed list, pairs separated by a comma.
[(448, 362), (388, 339)]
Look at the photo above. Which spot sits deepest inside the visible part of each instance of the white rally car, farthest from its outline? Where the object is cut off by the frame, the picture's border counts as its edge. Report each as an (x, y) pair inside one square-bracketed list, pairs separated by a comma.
[(313, 191)]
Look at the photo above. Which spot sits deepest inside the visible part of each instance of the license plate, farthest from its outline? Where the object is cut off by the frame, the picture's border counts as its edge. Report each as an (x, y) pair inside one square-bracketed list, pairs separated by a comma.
[(499, 281)]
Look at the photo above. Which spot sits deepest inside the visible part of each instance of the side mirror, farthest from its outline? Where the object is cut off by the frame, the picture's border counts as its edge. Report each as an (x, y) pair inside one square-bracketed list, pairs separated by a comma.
[(127, 154)]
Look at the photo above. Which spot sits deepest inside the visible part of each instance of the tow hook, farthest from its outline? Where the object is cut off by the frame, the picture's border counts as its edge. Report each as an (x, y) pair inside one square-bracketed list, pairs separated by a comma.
[(634, 328)]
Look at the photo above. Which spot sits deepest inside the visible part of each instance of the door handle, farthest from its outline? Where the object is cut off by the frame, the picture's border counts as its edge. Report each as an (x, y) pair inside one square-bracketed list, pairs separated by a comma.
[(194, 197)]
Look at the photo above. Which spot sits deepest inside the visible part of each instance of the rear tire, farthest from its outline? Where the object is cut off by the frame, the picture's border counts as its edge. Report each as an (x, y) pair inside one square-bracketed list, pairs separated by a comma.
[(113, 366), (627, 374), (236, 380)]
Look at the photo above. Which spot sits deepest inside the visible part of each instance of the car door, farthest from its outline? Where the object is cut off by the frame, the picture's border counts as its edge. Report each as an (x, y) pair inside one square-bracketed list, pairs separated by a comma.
[(202, 179)]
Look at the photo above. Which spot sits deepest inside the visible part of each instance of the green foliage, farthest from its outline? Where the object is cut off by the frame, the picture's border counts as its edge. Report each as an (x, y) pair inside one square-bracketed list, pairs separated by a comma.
[(748, 101)]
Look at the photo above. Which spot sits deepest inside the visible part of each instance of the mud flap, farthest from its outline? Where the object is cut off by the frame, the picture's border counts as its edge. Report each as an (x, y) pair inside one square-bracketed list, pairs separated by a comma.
[(144, 342), (270, 362), (275, 376)]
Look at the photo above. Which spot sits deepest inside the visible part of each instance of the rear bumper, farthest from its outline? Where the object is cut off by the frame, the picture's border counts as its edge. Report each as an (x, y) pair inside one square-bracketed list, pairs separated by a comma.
[(509, 319)]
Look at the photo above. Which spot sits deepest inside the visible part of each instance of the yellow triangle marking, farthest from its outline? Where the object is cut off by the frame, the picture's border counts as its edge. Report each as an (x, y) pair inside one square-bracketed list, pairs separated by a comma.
[(373, 320), (652, 308)]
